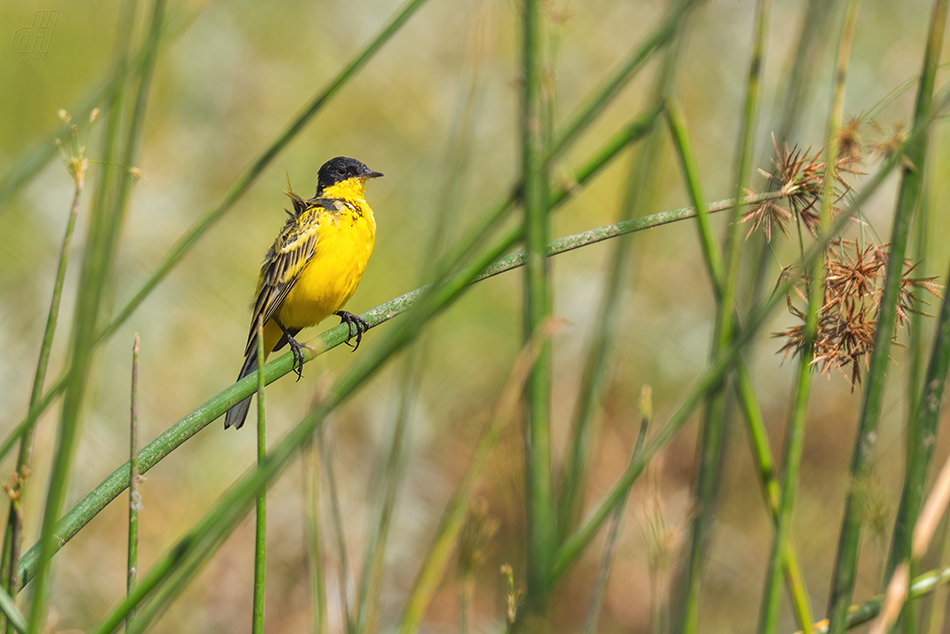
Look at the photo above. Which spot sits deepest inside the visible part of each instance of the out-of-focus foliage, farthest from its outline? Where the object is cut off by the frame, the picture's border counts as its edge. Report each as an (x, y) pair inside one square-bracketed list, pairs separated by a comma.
[(224, 88)]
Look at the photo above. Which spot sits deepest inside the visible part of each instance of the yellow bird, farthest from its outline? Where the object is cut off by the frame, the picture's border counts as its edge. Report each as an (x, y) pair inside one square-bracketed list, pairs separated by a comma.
[(313, 267)]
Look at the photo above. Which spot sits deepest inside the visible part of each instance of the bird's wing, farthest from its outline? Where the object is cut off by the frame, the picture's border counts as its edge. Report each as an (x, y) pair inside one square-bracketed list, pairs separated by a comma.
[(285, 260)]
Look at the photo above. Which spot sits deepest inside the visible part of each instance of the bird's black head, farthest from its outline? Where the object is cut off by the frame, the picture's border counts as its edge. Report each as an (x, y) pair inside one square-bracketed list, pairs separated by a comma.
[(339, 169)]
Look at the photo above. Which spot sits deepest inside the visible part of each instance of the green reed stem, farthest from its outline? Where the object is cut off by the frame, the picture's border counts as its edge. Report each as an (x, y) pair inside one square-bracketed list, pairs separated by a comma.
[(260, 527), (539, 493), (447, 534), (863, 456), (795, 432), (339, 533), (616, 522), (135, 499), (314, 537), (920, 438), (638, 195), (711, 441), (745, 392), (13, 537), (14, 617)]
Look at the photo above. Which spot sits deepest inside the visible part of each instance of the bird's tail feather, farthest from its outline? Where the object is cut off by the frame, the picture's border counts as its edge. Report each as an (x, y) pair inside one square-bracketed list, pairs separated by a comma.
[(236, 415)]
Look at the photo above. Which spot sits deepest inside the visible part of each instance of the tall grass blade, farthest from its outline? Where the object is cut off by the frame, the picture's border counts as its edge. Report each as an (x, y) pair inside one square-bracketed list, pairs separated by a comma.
[(14, 617), (616, 522), (336, 517)]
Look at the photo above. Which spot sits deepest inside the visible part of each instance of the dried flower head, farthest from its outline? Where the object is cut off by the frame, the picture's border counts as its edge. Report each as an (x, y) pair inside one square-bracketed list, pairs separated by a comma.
[(850, 138), (847, 326), (800, 177), (891, 141)]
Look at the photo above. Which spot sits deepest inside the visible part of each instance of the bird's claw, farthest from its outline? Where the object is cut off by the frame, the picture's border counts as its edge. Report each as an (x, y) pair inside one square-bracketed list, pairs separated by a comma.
[(353, 322), (297, 351)]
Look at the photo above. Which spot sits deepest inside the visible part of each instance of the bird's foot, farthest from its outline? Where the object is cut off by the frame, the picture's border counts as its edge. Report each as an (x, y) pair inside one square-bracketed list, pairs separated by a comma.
[(354, 322), (297, 349)]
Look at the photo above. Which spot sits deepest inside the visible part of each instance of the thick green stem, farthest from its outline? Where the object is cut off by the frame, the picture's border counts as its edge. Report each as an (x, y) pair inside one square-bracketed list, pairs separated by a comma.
[(260, 526), (539, 494)]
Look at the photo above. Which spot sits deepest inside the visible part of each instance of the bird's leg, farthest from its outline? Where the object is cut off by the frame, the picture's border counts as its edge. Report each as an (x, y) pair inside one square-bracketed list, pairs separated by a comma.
[(353, 321), (295, 347)]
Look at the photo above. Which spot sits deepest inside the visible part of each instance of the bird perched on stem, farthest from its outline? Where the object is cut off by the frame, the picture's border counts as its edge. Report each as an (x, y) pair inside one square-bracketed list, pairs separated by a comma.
[(313, 267)]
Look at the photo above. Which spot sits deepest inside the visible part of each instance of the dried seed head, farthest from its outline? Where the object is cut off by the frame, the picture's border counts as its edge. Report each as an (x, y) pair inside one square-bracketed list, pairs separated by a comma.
[(850, 138), (854, 278), (891, 142), (800, 176)]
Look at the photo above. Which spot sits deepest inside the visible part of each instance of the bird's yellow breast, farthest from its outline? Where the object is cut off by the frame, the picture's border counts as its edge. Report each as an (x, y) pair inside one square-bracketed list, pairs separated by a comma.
[(332, 274)]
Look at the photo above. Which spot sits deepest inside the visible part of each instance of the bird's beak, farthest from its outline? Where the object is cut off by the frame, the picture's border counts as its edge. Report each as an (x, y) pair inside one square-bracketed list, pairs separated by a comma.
[(369, 175)]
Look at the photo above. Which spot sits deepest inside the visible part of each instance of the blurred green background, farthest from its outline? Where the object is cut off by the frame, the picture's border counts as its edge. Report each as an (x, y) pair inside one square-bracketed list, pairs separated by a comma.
[(224, 87)]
